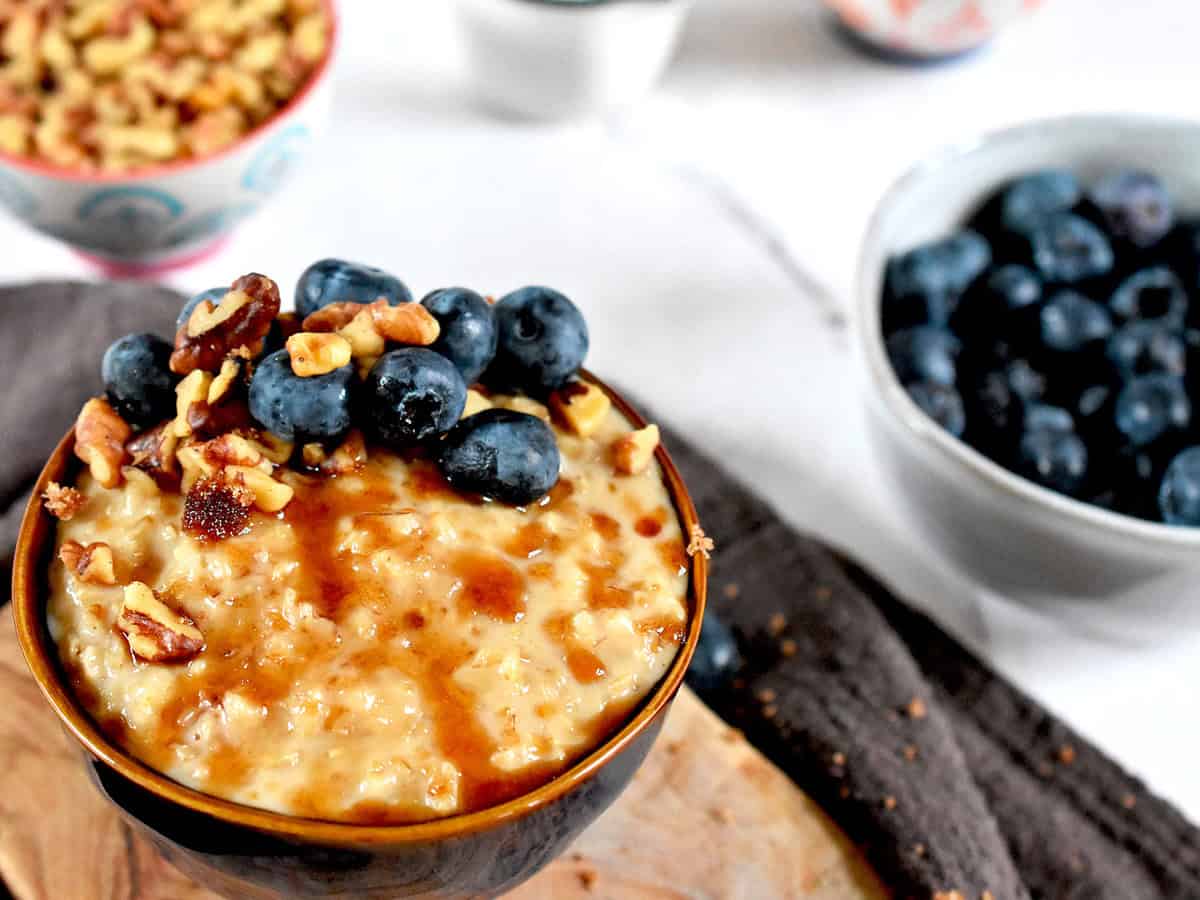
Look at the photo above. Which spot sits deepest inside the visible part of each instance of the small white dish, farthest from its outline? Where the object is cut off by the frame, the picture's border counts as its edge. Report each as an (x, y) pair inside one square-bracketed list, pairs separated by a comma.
[(1011, 535), (561, 59)]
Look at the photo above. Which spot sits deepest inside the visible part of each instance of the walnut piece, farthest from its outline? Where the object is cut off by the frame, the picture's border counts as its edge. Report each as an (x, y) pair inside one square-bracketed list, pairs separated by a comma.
[(100, 436), (62, 502), (632, 453), (252, 305), (699, 542), (582, 407), (476, 402), (155, 632), (408, 323), (268, 494), (93, 563), (365, 340), (349, 457), (153, 452), (232, 368), (233, 450), (334, 316), (313, 353)]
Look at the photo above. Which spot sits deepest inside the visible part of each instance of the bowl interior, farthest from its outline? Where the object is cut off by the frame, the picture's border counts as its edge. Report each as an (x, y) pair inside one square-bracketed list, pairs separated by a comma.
[(938, 195), (32, 555)]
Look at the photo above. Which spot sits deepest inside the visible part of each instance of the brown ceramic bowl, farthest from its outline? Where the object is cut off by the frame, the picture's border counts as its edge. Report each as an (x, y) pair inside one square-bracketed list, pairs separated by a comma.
[(246, 852)]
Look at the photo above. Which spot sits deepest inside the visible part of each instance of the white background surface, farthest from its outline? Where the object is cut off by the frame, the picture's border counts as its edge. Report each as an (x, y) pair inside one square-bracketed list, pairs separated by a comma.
[(710, 235)]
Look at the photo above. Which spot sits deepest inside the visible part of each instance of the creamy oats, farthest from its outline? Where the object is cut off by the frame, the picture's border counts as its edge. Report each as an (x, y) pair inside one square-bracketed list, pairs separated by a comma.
[(384, 649)]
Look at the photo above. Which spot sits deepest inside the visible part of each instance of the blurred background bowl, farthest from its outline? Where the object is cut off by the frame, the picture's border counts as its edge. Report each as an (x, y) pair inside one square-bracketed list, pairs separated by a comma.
[(1008, 533), (560, 59), (927, 29), (156, 219)]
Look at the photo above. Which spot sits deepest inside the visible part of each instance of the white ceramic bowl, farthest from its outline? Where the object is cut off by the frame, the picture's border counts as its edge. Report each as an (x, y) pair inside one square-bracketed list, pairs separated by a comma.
[(928, 28), (167, 216), (1015, 537), (559, 59)]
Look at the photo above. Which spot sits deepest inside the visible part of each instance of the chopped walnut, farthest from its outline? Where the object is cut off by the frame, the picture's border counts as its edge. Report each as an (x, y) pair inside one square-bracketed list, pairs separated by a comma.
[(365, 340), (476, 402), (233, 450), (350, 456), (191, 392), (314, 353), (633, 452), (153, 452), (276, 449), (268, 494), (100, 436), (93, 563), (699, 542), (581, 406), (232, 369), (335, 316), (312, 455), (62, 502), (408, 323), (241, 319), (155, 632)]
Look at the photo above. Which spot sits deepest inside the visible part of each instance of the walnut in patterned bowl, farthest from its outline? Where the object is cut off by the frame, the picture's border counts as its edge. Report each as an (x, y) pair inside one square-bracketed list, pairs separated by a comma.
[(140, 132)]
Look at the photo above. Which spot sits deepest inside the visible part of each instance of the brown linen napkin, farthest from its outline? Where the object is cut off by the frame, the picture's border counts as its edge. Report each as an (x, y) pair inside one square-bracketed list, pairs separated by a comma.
[(951, 778)]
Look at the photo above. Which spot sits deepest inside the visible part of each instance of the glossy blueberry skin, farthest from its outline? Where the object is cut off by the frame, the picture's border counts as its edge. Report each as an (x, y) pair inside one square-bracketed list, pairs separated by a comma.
[(1070, 322), (1179, 492), (1140, 348), (1067, 248), (939, 269), (941, 403), (1150, 406), (1054, 459), (1044, 417), (138, 380), (295, 408), (542, 342), (1031, 199), (716, 659), (333, 280), (924, 353), (1134, 205), (411, 395), (212, 294), (468, 333), (503, 454), (1153, 294)]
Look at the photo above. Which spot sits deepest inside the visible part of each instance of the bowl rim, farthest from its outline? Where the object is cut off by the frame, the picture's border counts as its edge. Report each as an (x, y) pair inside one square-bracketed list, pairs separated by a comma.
[(905, 412), (28, 604), (33, 166)]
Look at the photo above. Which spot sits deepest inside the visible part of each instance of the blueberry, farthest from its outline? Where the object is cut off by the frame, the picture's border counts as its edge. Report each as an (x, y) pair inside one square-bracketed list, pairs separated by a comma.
[(502, 454), (1151, 406), (1044, 417), (1153, 293), (716, 659), (1140, 348), (1070, 322), (1002, 300), (138, 380), (543, 340), (1054, 459), (1031, 199), (412, 395), (1179, 493), (294, 408), (334, 280), (939, 269), (941, 403), (1069, 248), (993, 413), (1026, 382), (213, 295), (1134, 205), (468, 330), (924, 353)]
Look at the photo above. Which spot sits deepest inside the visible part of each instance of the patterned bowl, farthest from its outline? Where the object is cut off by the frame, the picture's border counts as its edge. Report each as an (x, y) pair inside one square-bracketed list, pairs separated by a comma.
[(927, 29), (168, 216)]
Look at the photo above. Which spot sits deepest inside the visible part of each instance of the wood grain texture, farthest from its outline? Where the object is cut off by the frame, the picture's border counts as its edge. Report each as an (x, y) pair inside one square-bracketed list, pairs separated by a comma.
[(706, 817)]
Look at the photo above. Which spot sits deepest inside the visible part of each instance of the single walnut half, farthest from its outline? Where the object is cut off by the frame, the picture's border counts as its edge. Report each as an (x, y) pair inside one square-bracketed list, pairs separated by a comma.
[(314, 353), (408, 323), (632, 453), (217, 508), (204, 342), (100, 436), (62, 502), (93, 563), (582, 407), (153, 452), (157, 633)]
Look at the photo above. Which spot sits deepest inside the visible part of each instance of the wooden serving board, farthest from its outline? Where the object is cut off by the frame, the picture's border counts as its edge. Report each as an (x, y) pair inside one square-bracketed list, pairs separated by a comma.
[(706, 817)]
